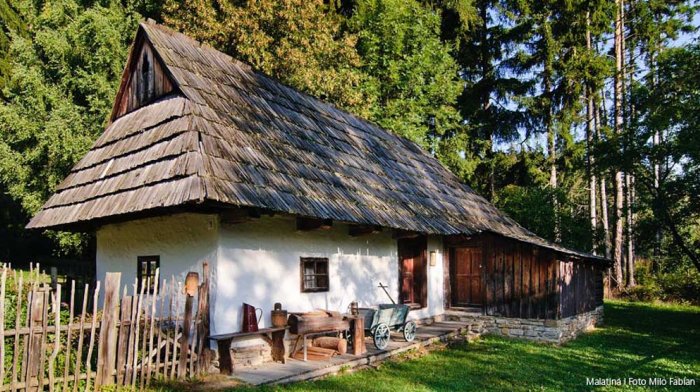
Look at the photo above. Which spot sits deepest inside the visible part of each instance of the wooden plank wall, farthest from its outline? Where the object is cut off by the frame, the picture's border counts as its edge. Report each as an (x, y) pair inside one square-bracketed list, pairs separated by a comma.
[(581, 287), (520, 280), (131, 97)]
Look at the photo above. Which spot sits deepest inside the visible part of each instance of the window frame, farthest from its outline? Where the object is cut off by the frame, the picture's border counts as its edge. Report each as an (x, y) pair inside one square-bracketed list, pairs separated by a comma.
[(140, 260), (303, 275)]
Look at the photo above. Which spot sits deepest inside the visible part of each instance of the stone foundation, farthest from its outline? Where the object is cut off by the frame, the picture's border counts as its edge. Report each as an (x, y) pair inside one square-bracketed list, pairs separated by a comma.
[(251, 355), (549, 331)]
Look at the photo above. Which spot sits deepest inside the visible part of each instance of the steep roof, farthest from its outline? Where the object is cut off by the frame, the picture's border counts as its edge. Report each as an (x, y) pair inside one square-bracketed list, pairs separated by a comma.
[(230, 135)]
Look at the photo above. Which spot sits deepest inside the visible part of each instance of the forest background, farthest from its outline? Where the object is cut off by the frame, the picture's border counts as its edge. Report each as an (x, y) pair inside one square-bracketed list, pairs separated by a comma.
[(578, 118)]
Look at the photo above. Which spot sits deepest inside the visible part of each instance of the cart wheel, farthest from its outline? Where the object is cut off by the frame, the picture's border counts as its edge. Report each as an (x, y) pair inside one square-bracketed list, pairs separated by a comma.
[(381, 336), (409, 331)]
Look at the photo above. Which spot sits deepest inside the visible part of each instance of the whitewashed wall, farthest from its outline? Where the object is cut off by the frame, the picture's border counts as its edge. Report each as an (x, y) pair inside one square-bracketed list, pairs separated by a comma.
[(258, 262), (182, 241)]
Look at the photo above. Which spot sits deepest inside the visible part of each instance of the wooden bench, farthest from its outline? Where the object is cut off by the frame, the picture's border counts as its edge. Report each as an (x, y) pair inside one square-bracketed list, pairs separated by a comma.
[(273, 336)]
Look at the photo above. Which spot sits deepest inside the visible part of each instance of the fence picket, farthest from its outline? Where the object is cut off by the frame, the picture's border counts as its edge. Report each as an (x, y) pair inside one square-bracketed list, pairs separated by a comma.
[(159, 331), (177, 310), (81, 338), (69, 336), (154, 300), (18, 320), (44, 328), (3, 279), (123, 340), (144, 341), (56, 305), (91, 345), (136, 341), (137, 326)]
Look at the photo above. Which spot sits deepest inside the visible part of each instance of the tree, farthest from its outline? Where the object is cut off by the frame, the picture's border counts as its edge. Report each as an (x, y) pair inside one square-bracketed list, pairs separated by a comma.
[(673, 107), (486, 41), (11, 24), (299, 42), (60, 88), (411, 78)]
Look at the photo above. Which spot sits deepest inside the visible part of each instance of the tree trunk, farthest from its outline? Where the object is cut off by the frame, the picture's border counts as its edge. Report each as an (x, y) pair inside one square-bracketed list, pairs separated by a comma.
[(603, 188), (590, 132), (630, 232), (629, 178), (549, 125), (619, 185)]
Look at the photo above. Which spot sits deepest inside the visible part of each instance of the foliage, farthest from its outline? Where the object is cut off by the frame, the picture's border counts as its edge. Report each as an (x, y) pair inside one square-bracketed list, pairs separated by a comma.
[(671, 108), (11, 24), (60, 88), (411, 77), (298, 42)]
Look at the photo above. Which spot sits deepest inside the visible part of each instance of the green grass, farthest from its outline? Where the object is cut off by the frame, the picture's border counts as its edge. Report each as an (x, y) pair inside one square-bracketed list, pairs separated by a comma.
[(639, 340)]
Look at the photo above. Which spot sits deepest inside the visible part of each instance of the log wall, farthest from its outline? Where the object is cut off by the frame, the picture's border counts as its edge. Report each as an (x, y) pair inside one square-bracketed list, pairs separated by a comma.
[(581, 287), (525, 281)]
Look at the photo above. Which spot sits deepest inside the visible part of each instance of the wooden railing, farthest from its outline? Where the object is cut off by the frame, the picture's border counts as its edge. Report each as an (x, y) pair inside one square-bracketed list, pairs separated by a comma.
[(130, 340)]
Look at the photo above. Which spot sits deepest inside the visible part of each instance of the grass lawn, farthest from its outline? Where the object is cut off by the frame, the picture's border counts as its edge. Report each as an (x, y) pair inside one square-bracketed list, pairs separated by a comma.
[(639, 341)]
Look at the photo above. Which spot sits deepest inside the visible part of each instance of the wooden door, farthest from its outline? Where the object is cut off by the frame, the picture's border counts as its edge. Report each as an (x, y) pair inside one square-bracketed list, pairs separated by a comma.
[(466, 276), (413, 273)]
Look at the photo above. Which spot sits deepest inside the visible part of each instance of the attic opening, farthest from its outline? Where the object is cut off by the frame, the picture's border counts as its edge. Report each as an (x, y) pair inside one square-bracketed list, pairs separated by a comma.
[(145, 79)]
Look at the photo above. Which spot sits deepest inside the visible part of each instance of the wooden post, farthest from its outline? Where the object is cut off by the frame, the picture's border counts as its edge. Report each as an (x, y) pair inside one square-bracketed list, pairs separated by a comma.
[(34, 343), (358, 335), (123, 340), (225, 362), (203, 331), (107, 349), (191, 283), (277, 346)]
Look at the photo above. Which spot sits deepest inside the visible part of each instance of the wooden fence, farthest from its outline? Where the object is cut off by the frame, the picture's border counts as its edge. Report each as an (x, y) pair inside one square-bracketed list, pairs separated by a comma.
[(151, 332)]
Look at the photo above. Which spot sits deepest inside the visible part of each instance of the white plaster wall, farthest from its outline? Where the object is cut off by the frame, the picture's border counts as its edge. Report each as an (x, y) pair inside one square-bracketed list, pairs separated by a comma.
[(259, 264), (183, 242)]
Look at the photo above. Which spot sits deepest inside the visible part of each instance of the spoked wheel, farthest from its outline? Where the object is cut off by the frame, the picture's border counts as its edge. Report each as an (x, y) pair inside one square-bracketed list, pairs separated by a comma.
[(409, 331), (382, 336)]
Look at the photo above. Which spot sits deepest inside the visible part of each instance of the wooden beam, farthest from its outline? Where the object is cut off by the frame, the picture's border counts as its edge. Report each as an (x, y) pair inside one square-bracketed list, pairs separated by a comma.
[(359, 230), (308, 224), (400, 234), (234, 216)]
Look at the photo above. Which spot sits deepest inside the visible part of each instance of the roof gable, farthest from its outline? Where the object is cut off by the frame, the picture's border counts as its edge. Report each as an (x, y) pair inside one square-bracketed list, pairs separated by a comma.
[(144, 80), (228, 135)]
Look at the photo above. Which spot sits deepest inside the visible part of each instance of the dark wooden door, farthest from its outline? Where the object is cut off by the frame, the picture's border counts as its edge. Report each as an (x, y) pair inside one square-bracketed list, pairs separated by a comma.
[(466, 277), (413, 274)]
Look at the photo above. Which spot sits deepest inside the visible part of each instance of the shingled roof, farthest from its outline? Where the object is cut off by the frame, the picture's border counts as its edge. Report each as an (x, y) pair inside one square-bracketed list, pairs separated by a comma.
[(229, 135)]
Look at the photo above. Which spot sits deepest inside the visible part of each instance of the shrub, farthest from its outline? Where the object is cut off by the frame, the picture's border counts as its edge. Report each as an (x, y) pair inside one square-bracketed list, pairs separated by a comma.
[(682, 286)]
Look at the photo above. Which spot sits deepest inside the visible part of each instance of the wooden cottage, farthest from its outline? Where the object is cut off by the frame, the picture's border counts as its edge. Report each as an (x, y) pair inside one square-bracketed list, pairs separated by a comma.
[(292, 200)]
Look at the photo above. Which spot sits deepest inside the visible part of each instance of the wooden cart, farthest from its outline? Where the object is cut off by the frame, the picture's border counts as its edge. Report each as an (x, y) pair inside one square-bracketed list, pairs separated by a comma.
[(380, 321)]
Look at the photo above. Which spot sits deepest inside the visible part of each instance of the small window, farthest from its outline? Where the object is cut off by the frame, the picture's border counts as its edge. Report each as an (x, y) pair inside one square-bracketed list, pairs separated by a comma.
[(146, 272), (314, 274)]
